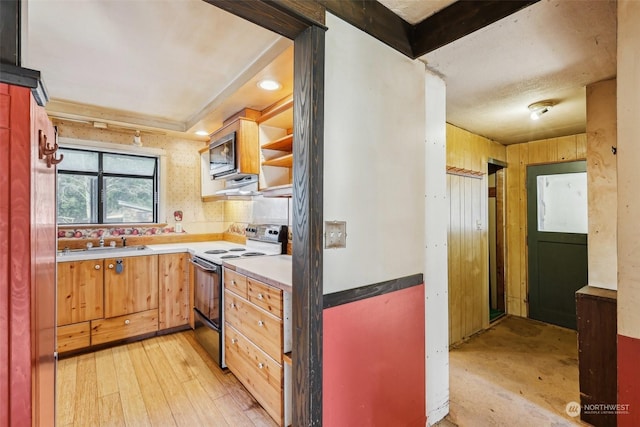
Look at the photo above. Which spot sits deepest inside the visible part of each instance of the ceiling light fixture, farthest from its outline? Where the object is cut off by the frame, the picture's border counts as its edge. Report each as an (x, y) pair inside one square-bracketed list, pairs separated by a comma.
[(539, 108), (202, 133), (269, 84)]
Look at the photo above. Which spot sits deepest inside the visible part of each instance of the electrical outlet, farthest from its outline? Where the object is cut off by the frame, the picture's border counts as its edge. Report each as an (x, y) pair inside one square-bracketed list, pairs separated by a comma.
[(335, 234)]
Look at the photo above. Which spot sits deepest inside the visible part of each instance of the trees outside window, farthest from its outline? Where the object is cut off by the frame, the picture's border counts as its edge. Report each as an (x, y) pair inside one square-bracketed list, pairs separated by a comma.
[(103, 188)]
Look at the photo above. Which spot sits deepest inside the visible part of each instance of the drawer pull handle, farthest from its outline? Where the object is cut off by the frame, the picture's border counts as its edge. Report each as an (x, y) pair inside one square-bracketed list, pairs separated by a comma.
[(260, 323), (234, 340), (110, 265), (259, 296), (260, 365), (233, 305), (97, 267), (233, 282), (126, 322)]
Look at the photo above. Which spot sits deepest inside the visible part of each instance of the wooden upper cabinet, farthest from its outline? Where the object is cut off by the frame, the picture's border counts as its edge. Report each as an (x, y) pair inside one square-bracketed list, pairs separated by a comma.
[(173, 284), (130, 285), (247, 145), (80, 291)]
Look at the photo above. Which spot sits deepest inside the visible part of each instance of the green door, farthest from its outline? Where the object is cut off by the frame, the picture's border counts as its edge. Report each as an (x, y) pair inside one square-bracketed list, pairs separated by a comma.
[(557, 240)]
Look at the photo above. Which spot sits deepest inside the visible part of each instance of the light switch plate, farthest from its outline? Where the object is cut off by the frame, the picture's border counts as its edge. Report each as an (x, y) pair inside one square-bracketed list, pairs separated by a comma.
[(335, 234)]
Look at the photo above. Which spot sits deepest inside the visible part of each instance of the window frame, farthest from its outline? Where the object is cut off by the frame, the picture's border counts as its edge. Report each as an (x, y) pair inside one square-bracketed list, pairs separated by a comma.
[(103, 148)]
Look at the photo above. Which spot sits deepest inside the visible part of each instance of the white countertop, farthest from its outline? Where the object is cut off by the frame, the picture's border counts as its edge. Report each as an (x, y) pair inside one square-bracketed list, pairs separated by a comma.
[(274, 270), (120, 252)]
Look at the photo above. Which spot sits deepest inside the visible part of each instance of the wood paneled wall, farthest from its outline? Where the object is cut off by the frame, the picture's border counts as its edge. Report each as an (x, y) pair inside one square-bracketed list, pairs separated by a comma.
[(467, 234), (519, 156), (602, 184)]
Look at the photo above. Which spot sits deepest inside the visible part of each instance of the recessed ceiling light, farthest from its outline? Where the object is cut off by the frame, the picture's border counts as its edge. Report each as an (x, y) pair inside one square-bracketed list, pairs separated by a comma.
[(202, 133), (269, 84)]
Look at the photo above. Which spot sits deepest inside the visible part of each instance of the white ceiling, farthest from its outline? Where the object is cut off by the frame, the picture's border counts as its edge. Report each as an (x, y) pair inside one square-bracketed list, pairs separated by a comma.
[(186, 65), (162, 63)]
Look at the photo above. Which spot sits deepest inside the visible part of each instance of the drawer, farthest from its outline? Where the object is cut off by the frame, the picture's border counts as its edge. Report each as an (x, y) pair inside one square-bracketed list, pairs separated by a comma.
[(73, 337), (260, 327), (129, 325), (235, 282), (258, 372), (265, 296)]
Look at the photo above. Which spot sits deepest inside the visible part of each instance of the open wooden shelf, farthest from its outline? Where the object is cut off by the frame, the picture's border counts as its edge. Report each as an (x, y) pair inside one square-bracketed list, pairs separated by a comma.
[(274, 110), (283, 161), (281, 144)]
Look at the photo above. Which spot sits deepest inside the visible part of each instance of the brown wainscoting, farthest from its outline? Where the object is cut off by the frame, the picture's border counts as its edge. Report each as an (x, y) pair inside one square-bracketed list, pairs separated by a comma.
[(364, 292), (597, 352)]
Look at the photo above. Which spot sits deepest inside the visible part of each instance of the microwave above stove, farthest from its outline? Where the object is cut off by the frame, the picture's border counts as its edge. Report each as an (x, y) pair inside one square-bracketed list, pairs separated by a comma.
[(223, 157)]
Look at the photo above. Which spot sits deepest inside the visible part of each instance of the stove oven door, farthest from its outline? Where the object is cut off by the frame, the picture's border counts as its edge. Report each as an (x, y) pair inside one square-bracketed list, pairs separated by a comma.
[(207, 290), (207, 308)]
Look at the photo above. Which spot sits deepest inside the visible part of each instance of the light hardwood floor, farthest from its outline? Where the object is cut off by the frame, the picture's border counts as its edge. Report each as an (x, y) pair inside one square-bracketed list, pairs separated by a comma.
[(162, 381)]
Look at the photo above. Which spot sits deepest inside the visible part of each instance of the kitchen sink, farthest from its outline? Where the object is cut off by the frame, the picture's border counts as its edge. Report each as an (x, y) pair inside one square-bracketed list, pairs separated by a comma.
[(103, 249)]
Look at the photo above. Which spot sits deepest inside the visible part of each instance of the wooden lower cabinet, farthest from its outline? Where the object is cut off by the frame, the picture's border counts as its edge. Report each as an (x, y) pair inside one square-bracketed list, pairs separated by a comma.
[(259, 326), (173, 290), (130, 285), (73, 337), (257, 334), (80, 295), (111, 299), (259, 373), (121, 327)]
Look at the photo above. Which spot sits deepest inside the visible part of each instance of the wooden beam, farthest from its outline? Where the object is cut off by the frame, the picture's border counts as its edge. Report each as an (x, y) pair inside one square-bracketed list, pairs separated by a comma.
[(10, 32), (460, 19), (374, 19), (308, 170), (286, 17)]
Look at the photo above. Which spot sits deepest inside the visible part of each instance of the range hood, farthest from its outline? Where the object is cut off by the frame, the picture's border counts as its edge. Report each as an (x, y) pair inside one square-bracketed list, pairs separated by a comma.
[(240, 187)]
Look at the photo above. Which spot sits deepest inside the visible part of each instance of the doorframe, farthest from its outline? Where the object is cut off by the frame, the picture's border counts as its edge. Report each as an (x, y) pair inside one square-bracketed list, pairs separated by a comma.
[(304, 23), (499, 167)]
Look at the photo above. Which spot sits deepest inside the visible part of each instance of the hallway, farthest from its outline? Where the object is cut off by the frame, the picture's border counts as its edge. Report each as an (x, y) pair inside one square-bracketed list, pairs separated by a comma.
[(518, 372)]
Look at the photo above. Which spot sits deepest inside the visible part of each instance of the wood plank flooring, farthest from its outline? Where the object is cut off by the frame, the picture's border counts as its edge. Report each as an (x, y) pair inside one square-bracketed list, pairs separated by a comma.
[(163, 381)]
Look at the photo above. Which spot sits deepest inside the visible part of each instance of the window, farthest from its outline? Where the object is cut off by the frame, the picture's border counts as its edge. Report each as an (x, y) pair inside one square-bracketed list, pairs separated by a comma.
[(97, 187), (562, 203)]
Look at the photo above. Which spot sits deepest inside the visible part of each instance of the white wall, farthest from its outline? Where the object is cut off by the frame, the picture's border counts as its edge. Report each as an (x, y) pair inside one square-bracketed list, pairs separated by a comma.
[(373, 159), (436, 222)]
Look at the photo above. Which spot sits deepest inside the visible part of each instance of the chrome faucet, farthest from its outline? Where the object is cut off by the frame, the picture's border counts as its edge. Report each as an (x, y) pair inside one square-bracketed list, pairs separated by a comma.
[(101, 241)]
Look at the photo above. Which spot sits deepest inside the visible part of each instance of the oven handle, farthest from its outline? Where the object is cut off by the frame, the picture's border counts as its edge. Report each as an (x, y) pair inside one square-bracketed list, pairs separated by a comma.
[(211, 268)]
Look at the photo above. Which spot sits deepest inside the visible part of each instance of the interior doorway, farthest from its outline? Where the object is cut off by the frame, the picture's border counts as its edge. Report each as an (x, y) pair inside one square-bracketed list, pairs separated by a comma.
[(496, 229)]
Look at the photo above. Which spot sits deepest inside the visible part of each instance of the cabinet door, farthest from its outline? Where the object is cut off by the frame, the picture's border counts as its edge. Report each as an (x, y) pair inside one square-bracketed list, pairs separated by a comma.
[(80, 291), (173, 284), (130, 285)]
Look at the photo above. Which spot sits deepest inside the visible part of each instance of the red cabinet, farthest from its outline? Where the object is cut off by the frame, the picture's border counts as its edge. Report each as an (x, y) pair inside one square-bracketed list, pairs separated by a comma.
[(27, 260)]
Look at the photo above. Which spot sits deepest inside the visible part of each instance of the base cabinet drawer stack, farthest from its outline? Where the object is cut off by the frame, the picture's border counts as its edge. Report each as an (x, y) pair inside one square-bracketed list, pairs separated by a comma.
[(257, 334)]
